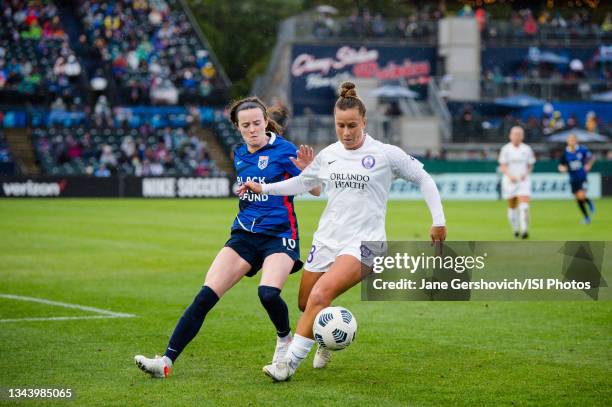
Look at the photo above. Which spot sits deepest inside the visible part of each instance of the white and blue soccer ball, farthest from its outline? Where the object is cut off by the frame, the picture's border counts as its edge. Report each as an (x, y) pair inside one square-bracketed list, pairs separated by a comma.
[(334, 328)]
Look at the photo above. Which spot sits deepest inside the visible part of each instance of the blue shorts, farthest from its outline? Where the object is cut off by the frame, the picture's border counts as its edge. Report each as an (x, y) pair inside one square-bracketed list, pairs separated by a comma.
[(255, 247), (578, 185)]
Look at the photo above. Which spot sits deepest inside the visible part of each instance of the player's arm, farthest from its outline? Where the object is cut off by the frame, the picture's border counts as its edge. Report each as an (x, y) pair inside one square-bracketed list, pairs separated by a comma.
[(503, 165), (504, 170), (306, 181), (530, 164), (410, 169), (305, 155), (563, 165), (590, 160)]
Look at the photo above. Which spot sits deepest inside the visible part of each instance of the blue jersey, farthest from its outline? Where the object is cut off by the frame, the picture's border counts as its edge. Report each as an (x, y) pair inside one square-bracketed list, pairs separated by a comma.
[(267, 214), (575, 161)]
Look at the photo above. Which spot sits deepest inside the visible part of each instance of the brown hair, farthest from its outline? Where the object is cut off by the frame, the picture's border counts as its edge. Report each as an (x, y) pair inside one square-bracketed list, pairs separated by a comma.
[(348, 98), (253, 102)]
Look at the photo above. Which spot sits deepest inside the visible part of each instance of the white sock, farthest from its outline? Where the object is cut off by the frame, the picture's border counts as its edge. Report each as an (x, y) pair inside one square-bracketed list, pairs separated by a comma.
[(512, 218), (524, 216), (299, 349), (287, 338), (168, 361)]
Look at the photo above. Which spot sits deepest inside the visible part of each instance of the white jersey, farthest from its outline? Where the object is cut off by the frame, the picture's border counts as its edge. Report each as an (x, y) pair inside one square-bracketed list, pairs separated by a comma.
[(357, 183), (518, 159)]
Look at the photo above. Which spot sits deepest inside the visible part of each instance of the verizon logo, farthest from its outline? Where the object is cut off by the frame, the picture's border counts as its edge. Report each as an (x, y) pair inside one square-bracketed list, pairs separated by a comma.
[(31, 188)]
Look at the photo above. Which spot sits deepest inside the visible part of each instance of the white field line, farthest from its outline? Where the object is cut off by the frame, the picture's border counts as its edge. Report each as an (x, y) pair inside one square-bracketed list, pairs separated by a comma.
[(103, 313)]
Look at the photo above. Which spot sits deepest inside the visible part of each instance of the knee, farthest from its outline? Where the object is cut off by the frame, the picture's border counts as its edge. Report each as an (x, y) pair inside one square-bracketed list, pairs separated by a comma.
[(268, 295), (320, 298)]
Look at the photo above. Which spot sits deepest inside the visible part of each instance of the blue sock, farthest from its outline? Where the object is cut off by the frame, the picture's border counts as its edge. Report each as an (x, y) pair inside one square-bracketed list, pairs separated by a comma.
[(190, 323), (277, 309)]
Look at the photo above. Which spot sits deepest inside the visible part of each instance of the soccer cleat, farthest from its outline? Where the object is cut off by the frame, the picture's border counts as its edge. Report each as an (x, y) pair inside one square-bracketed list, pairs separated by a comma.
[(525, 236), (321, 358), (282, 346), (156, 367), (281, 371), (586, 221), (516, 235)]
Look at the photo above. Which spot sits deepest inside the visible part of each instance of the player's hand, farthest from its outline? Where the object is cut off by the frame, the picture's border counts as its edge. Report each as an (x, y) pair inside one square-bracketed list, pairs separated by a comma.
[(437, 234), (249, 186), (305, 155), (513, 179), (587, 167)]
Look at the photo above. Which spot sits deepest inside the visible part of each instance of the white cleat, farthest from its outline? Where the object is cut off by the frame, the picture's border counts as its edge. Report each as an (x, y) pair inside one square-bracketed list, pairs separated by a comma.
[(156, 367), (321, 358), (281, 371), (282, 346)]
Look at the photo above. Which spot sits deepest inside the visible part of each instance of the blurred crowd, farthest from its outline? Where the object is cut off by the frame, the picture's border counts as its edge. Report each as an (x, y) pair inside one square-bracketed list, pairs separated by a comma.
[(151, 49), (35, 55), (141, 152), (472, 126)]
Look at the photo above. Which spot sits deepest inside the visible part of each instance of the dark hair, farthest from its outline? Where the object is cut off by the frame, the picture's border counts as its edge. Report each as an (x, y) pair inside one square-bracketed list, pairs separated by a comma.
[(280, 114), (253, 102), (348, 98)]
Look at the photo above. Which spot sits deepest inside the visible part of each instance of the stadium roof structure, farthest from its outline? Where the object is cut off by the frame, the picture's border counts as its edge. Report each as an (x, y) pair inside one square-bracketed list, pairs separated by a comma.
[(582, 136), (519, 101)]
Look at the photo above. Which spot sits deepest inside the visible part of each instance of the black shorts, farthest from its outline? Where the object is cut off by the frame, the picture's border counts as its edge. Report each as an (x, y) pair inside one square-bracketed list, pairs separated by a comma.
[(255, 247), (578, 185)]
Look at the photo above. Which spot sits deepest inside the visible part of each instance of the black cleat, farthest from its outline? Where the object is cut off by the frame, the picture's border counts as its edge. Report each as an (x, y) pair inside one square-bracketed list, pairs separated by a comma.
[(525, 236), (516, 235)]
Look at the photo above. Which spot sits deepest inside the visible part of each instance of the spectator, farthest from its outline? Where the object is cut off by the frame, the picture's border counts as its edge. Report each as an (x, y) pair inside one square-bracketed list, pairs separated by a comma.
[(107, 157), (591, 122)]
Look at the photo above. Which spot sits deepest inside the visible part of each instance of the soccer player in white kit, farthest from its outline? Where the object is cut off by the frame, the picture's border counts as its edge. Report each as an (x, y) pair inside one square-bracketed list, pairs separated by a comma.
[(357, 172), (516, 161)]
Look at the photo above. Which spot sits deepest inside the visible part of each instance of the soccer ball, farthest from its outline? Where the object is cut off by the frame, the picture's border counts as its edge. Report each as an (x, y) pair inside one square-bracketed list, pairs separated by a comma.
[(334, 328)]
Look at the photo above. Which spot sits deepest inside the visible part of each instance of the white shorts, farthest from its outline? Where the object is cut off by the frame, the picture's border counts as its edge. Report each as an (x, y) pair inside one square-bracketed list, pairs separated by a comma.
[(513, 189), (320, 257)]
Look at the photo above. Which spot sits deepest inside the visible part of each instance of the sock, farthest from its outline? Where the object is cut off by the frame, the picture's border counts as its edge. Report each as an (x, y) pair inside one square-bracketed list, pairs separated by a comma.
[(299, 349), (590, 203), (190, 323), (513, 219), (582, 208), (277, 309), (523, 216)]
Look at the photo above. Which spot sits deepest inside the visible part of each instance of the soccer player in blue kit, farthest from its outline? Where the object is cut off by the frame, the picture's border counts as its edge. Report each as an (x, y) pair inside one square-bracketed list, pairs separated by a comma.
[(577, 161), (264, 234)]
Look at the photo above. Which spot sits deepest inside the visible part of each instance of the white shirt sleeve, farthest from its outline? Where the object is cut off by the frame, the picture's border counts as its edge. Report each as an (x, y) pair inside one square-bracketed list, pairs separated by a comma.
[(402, 165), (502, 156), (411, 169), (307, 180), (531, 159)]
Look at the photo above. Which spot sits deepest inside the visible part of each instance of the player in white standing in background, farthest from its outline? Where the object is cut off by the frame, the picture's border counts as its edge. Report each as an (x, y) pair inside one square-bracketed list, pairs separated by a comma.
[(357, 172), (516, 160)]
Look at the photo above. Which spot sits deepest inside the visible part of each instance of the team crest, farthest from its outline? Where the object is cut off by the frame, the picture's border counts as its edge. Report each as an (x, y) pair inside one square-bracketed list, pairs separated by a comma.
[(368, 162), (263, 162)]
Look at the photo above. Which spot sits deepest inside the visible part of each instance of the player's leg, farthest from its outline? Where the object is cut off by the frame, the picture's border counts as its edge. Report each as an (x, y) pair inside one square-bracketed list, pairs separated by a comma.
[(513, 217), (523, 215), (344, 273), (226, 270), (582, 204), (276, 269), (309, 279)]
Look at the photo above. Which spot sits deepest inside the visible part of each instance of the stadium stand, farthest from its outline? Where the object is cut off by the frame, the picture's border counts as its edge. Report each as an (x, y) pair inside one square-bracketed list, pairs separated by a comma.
[(152, 51), (103, 151), (37, 63)]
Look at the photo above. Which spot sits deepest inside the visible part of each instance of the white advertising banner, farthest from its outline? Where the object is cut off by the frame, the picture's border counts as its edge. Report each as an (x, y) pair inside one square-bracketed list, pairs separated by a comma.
[(483, 186)]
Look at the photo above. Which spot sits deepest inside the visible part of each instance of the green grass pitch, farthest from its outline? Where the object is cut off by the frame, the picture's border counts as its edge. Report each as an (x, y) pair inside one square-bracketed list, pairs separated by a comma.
[(149, 257)]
